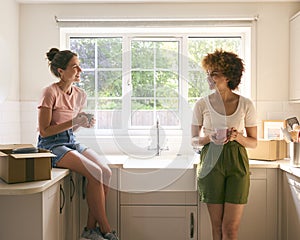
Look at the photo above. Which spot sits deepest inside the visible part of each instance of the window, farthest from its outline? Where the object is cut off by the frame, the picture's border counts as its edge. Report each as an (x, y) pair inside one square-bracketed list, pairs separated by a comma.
[(135, 76)]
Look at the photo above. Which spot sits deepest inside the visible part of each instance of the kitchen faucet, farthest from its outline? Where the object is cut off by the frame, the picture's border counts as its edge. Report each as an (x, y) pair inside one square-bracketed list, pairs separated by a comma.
[(158, 148)]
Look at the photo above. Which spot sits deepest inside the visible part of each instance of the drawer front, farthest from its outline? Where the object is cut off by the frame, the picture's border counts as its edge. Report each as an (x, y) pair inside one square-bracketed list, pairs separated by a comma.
[(159, 198), (258, 173)]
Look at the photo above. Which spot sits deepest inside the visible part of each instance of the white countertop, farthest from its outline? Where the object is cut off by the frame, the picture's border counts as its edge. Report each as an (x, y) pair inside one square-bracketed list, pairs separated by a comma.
[(34, 186), (117, 161), (283, 164), (267, 164)]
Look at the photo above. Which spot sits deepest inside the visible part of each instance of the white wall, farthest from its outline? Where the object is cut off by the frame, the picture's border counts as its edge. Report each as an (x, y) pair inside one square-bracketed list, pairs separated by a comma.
[(39, 32), (9, 70)]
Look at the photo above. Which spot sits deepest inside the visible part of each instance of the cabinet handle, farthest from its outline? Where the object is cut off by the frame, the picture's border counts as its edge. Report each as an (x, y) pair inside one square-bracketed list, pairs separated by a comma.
[(62, 202), (83, 187), (192, 225), (72, 188)]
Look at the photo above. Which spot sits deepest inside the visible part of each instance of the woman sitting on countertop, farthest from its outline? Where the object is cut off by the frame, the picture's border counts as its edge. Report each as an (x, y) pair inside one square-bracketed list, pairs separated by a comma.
[(60, 114)]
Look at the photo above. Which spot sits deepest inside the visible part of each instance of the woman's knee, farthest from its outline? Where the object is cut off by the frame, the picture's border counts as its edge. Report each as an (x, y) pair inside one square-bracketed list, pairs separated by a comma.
[(217, 227), (230, 231), (94, 173), (107, 173)]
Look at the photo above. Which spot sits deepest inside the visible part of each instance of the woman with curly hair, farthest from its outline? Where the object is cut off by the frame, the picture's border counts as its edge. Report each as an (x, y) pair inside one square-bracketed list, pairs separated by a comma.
[(224, 123)]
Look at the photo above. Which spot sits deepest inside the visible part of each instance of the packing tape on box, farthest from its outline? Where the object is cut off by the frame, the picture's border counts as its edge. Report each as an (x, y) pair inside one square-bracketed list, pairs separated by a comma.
[(29, 169)]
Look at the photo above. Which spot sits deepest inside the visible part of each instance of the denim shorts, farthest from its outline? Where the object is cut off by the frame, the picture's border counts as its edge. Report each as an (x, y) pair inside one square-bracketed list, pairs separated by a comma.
[(229, 178), (59, 144)]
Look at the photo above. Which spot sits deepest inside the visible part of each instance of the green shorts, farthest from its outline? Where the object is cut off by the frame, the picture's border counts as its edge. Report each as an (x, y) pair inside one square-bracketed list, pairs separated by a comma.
[(228, 178)]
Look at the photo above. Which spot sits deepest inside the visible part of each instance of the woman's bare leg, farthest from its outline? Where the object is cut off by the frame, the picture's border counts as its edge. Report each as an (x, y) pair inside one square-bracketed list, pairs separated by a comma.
[(102, 162), (95, 190), (225, 220), (231, 220), (216, 216)]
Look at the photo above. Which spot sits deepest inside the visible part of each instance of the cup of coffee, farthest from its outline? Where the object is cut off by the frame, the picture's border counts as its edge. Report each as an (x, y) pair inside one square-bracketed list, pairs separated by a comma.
[(90, 116), (222, 133)]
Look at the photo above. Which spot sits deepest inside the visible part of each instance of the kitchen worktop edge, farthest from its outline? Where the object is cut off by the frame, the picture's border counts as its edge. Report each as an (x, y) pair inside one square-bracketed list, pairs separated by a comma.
[(117, 162)]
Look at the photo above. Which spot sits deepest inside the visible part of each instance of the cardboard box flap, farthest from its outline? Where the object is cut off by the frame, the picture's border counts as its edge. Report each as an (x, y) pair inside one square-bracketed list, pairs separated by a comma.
[(32, 155), (2, 154), (12, 146)]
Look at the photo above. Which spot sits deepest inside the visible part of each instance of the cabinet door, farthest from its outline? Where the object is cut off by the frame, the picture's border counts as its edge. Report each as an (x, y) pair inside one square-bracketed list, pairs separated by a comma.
[(254, 220), (294, 85), (65, 218), (51, 214), (74, 203), (112, 201), (83, 207), (292, 200), (21, 218), (158, 222)]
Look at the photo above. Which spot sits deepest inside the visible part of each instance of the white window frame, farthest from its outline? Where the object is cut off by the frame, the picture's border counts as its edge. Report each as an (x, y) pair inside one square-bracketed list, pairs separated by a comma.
[(181, 33)]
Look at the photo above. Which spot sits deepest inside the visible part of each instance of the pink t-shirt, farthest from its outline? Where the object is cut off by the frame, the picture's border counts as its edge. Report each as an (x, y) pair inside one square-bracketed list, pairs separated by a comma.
[(64, 106)]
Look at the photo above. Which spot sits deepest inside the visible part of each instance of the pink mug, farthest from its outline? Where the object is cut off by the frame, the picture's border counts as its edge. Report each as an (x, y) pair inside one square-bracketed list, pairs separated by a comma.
[(222, 133)]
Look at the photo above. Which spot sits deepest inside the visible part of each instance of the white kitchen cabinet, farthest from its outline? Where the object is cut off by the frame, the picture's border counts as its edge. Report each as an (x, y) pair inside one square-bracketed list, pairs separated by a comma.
[(294, 86), (83, 207), (74, 206), (259, 220), (158, 222), (39, 216), (65, 210), (290, 209), (163, 215)]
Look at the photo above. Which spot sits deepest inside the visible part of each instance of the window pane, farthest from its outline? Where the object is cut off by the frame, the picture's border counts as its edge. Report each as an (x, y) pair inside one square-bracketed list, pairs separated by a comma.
[(142, 54), (87, 82), (167, 104), (168, 118), (142, 83), (167, 55), (142, 118), (141, 111), (109, 119), (198, 48), (155, 81), (109, 84), (85, 48), (109, 52), (91, 104), (167, 84)]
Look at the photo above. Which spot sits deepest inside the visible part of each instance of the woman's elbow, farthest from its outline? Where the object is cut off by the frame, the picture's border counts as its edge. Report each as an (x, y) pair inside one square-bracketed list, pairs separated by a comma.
[(43, 133)]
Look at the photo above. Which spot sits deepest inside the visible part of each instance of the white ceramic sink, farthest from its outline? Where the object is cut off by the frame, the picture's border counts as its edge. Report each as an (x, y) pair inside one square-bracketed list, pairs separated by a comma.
[(161, 162), (159, 173)]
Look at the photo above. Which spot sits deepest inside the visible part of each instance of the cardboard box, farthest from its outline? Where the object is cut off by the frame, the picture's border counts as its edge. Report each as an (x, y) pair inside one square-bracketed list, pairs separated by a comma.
[(268, 150), (25, 167)]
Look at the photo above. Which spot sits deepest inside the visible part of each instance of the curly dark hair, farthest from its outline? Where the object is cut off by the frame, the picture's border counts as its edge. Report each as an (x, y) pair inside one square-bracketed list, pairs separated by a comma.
[(228, 63), (59, 59)]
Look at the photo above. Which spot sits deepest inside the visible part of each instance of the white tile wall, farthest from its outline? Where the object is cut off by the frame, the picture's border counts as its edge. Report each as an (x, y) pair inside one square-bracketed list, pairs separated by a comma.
[(10, 129), (29, 123), (275, 110)]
